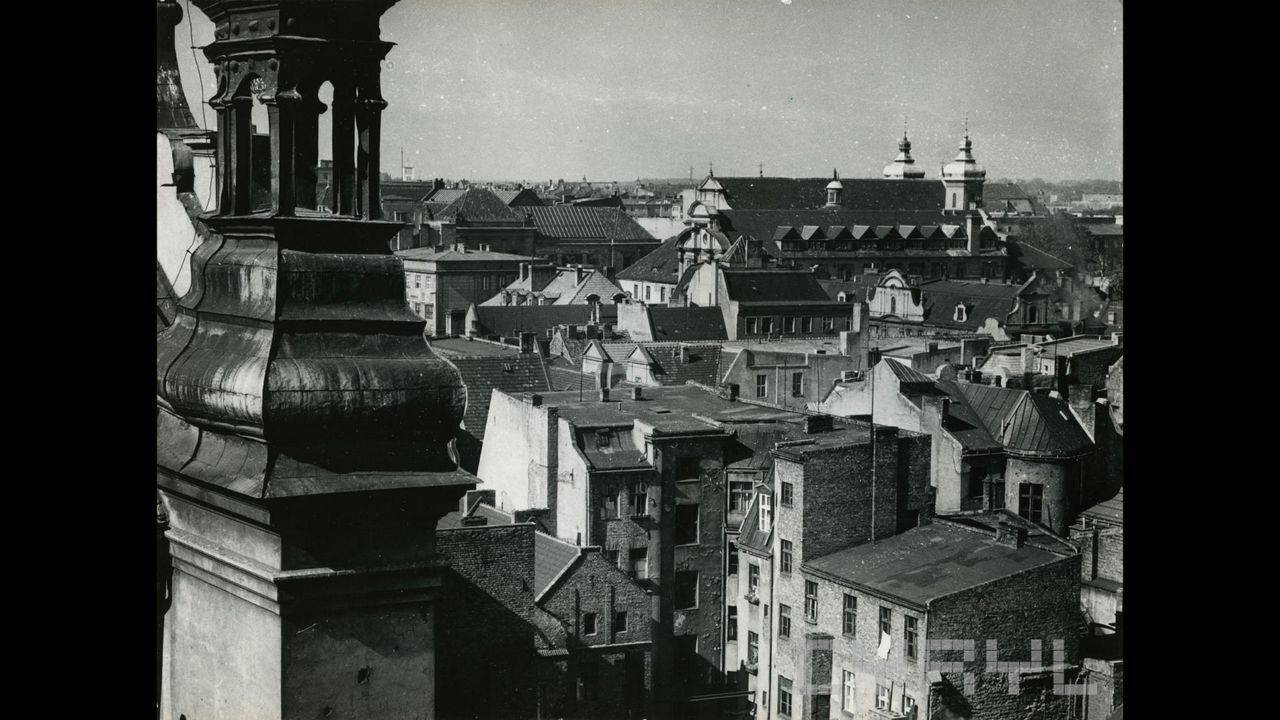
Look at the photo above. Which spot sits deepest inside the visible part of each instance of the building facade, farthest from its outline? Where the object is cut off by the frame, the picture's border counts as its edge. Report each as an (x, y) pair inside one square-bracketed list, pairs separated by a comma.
[(442, 284)]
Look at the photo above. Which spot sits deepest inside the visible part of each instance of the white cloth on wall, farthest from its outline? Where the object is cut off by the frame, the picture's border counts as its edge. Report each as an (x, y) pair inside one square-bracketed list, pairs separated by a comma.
[(885, 642)]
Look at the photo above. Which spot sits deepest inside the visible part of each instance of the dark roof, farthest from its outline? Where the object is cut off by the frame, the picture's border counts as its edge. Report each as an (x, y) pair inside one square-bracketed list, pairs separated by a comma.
[(779, 286), (444, 196), (611, 448), (764, 224), (769, 193), (512, 374), (469, 347), (687, 323), (492, 516), (550, 558), (574, 222), (856, 287), (981, 301), (662, 264), (1024, 422), (1033, 258), (701, 363), (519, 198), (478, 205), (927, 563), (508, 320), (906, 374)]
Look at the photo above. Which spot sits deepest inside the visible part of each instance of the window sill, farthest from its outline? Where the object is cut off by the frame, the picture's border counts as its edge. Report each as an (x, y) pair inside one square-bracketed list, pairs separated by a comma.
[(811, 621)]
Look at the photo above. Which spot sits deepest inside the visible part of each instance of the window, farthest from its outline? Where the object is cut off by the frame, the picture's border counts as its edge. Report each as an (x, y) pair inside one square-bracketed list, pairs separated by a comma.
[(731, 626), (620, 621), (611, 510), (733, 558), (846, 695), (417, 280), (648, 289), (828, 324), (640, 563), (886, 621), (753, 578), (1030, 499), (686, 590), (739, 495), (762, 386), (893, 305), (976, 477), (909, 635), (686, 525), (953, 204), (789, 324), (882, 697), (806, 325), (766, 512), (639, 499), (662, 294), (797, 384), (784, 696), (811, 601), (961, 313), (788, 494), (849, 623), (753, 326), (588, 623), (753, 647), (908, 704), (603, 438), (784, 621), (785, 564), (612, 557), (766, 324), (588, 678)]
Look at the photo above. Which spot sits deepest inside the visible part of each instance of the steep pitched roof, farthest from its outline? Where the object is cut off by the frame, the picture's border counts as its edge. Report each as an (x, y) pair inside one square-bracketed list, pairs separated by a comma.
[(1024, 422), (519, 198), (994, 300), (574, 222), (566, 289), (779, 286), (662, 264), (482, 374), (550, 558), (768, 193), (478, 205)]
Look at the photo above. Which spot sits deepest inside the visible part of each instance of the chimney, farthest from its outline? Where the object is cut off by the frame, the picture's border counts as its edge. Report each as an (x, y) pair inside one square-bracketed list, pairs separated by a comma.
[(636, 393), (579, 274), (524, 271), (526, 342), (604, 394), (965, 375), (931, 347), (606, 331), (977, 375), (984, 281), (1010, 535), (591, 331), (1117, 338), (544, 347), (997, 380), (733, 391)]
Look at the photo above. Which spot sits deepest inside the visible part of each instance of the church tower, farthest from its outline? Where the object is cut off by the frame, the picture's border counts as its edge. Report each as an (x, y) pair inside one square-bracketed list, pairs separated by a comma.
[(903, 167), (963, 179), (304, 427), (835, 192)]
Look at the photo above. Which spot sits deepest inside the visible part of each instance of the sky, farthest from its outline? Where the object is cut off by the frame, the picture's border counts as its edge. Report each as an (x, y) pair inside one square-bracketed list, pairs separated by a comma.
[(532, 90)]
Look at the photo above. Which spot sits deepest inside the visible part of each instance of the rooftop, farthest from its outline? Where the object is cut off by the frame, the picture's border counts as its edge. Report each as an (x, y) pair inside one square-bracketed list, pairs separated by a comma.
[(773, 286), (662, 264), (770, 193), (456, 254), (928, 563), (471, 347), (575, 222), (1107, 512), (687, 323)]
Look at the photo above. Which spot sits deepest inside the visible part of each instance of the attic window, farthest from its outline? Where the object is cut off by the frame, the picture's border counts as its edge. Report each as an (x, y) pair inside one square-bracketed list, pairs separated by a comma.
[(961, 313), (603, 438)]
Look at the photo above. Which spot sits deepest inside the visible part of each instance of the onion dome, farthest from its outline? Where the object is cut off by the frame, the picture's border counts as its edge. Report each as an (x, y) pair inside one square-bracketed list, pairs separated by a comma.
[(964, 167), (903, 166)]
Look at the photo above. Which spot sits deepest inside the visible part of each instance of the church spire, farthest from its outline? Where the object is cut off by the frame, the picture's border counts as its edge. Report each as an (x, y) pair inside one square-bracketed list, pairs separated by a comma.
[(903, 167)]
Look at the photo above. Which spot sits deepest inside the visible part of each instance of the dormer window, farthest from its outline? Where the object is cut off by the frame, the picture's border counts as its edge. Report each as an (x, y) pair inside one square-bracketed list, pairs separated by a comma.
[(766, 512), (961, 314)]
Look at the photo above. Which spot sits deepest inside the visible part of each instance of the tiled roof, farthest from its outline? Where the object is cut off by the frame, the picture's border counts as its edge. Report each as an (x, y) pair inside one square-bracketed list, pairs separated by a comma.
[(550, 558), (702, 363), (662, 264), (519, 198), (1024, 422), (444, 196), (687, 323), (508, 320), (764, 224), (780, 286), (573, 222), (471, 347), (927, 563), (478, 205), (511, 374), (769, 193), (566, 289), (455, 255), (1074, 344)]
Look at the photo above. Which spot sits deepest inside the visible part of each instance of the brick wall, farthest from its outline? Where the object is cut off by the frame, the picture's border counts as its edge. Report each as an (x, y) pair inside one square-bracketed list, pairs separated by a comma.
[(484, 624)]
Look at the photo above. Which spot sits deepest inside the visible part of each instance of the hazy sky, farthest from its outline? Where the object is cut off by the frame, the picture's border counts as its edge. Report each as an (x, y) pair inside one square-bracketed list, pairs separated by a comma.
[(538, 89)]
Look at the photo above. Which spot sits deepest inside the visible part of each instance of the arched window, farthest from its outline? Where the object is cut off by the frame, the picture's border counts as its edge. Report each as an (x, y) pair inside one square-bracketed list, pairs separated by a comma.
[(893, 305), (953, 200)]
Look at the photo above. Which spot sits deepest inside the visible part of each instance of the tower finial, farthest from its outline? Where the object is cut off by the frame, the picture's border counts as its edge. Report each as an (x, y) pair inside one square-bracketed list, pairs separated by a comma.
[(711, 168), (835, 174), (966, 126)]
